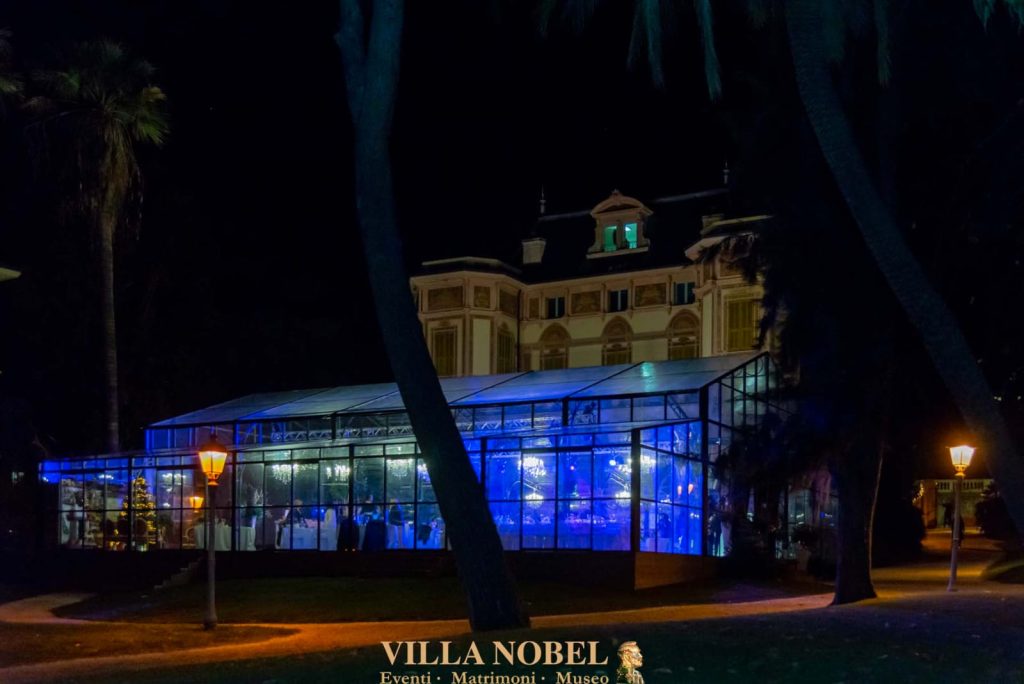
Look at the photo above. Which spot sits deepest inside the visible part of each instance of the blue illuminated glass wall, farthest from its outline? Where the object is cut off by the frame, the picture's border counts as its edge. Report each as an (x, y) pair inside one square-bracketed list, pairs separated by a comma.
[(671, 489), (623, 472)]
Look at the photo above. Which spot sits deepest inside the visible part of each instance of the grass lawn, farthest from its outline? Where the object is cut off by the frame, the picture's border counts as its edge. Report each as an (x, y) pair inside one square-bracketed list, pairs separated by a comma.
[(21, 644), (938, 638), (343, 599)]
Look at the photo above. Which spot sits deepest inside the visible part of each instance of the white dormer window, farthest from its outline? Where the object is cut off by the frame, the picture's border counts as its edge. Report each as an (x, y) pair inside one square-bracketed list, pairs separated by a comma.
[(619, 226)]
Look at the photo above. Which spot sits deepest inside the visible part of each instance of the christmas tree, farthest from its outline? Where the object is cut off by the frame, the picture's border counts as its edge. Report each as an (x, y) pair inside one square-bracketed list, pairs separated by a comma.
[(143, 505)]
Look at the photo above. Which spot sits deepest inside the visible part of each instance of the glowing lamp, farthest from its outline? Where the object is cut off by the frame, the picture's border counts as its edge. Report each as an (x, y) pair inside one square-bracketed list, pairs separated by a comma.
[(196, 502), (212, 456), (961, 457)]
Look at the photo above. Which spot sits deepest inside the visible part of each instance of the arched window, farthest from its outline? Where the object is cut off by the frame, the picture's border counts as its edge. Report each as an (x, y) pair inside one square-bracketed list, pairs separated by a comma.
[(506, 351), (684, 337), (554, 348), (617, 343)]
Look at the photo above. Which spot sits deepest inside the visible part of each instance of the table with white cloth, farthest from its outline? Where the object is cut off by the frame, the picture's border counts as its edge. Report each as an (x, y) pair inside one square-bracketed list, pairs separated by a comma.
[(298, 538), (221, 536), (246, 538)]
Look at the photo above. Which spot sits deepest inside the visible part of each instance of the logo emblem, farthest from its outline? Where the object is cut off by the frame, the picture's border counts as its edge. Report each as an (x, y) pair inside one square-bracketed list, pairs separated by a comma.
[(630, 660)]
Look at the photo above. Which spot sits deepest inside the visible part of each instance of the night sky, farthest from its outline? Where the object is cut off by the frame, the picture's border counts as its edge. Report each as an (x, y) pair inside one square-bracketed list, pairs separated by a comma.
[(247, 274)]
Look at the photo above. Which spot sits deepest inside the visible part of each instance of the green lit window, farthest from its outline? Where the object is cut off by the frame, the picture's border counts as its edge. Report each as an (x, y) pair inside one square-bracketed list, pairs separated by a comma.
[(630, 229), (609, 238)]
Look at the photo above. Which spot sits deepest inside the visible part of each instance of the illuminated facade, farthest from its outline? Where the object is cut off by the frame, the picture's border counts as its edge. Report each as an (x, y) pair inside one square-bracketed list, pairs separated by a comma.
[(607, 286)]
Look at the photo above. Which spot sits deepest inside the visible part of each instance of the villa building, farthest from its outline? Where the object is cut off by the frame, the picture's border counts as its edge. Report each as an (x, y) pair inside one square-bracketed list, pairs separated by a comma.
[(634, 288)]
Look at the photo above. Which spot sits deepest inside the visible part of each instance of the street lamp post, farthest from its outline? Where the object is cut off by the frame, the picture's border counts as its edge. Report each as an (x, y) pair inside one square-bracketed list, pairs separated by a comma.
[(961, 457), (212, 456)]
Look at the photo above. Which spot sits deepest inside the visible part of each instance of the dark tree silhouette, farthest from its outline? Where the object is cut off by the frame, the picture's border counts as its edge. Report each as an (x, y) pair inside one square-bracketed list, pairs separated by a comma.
[(370, 47)]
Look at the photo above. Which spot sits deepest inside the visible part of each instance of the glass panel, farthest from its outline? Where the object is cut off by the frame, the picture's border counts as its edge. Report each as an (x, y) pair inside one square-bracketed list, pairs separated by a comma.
[(574, 524), (611, 525), (426, 487), (575, 440), (584, 412), (488, 418), (693, 531), (304, 493), (518, 417), (278, 455), (649, 408), (503, 479), (429, 527), (612, 437), (648, 526), (538, 442), (474, 460), (665, 528), (274, 522), (401, 525), (574, 476), (648, 463), (335, 476), (664, 491), (539, 476), (506, 518), (547, 415), (369, 483), (401, 481), (278, 483), (615, 410), (538, 524), (612, 472), (168, 490)]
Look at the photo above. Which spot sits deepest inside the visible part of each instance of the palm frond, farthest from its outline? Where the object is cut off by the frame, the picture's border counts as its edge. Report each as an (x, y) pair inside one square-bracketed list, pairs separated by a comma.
[(646, 39), (572, 13), (712, 70), (984, 10), (94, 105)]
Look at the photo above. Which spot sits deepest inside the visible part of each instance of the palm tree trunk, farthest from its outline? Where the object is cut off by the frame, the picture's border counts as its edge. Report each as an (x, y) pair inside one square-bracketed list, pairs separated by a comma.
[(940, 333), (109, 336), (371, 72)]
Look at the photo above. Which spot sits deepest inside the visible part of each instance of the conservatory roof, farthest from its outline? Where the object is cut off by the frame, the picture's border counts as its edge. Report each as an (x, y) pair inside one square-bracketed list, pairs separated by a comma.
[(649, 377)]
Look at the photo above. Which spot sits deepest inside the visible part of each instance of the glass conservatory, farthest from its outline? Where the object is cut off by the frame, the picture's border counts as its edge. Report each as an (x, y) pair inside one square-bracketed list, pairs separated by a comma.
[(610, 458)]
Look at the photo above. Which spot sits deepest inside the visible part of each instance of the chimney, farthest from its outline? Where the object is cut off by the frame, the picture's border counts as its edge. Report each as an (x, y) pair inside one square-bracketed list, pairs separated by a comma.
[(533, 250)]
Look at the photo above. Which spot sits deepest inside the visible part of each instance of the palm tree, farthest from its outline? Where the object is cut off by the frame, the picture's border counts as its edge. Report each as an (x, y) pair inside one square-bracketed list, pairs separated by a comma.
[(370, 46), (940, 333), (816, 30), (93, 109)]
